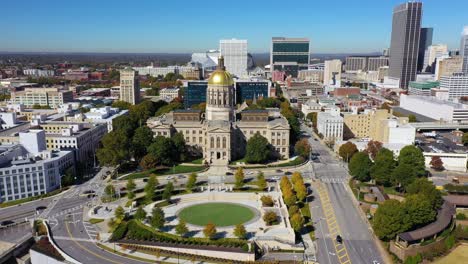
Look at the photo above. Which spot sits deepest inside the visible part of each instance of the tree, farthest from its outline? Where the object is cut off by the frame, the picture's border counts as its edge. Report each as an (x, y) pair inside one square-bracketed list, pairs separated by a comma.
[(419, 211), (109, 190), (289, 197), (150, 188), (115, 149), (412, 118), (297, 222), (414, 157), (437, 163), (360, 166), (149, 161), (384, 164), (424, 187), (239, 178), (126, 125), (119, 213), (270, 217), (258, 149), (142, 138), (163, 150), (373, 147), (403, 175), (181, 228), (167, 193), (157, 218), (313, 118), (140, 214), (180, 146), (121, 105), (191, 182), (285, 184), (267, 201), (302, 148), (240, 232), (261, 181), (210, 231), (130, 188), (297, 177), (301, 190), (389, 220), (347, 151)]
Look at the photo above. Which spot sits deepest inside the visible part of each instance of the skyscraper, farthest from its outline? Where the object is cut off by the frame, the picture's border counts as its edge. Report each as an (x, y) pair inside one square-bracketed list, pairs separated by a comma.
[(289, 55), (129, 86), (424, 42), (332, 72), (234, 52), (464, 49), (433, 53), (404, 46)]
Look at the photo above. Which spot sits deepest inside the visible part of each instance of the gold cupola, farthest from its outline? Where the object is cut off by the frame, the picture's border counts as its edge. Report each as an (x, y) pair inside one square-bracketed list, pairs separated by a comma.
[(220, 76)]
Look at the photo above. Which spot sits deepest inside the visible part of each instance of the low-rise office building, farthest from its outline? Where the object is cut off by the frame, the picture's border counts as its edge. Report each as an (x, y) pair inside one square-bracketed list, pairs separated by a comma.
[(435, 108), (422, 88), (51, 97), (456, 85), (330, 125), (103, 115), (169, 94), (28, 169)]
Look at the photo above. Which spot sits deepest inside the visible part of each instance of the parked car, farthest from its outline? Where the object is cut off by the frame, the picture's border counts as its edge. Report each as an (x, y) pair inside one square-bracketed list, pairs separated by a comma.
[(279, 171), (169, 177), (288, 173)]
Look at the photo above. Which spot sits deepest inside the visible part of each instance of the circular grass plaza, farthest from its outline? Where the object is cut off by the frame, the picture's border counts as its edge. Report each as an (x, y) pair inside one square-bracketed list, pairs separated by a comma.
[(220, 214)]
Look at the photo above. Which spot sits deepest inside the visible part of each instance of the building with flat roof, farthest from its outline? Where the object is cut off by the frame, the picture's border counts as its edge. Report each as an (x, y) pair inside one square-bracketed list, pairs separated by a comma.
[(129, 86), (448, 66), (251, 90), (313, 75), (102, 115), (332, 72), (432, 54), (38, 73), (404, 47), (289, 55), (330, 125), (354, 64), (422, 88), (456, 85), (464, 49), (169, 94), (51, 97), (27, 169), (425, 40), (235, 56), (435, 108), (195, 93)]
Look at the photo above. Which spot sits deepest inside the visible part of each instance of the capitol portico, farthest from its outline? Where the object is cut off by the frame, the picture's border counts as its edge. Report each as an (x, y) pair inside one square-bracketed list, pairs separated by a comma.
[(221, 133)]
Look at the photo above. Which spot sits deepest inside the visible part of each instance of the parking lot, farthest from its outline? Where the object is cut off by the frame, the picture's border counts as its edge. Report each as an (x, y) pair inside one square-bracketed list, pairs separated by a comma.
[(440, 142)]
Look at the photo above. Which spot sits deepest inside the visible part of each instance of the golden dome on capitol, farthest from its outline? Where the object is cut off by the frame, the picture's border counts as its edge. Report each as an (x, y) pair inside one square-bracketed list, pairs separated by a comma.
[(220, 76)]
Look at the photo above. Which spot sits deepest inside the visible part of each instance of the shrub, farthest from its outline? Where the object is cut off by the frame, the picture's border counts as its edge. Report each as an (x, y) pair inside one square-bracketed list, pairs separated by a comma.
[(461, 216), (267, 201), (119, 232), (450, 242), (293, 209), (270, 218)]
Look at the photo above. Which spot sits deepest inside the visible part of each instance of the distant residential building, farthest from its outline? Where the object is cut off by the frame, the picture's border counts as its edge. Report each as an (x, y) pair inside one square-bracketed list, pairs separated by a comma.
[(289, 55), (425, 40), (456, 84), (129, 86), (422, 88), (404, 46), (375, 63), (448, 66), (27, 169), (38, 73), (52, 97), (432, 54), (188, 72), (96, 92), (330, 125), (313, 76), (354, 64), (76, 76), (169, 94), (435, 108), (464, 49), (235, 56), (332, 72)]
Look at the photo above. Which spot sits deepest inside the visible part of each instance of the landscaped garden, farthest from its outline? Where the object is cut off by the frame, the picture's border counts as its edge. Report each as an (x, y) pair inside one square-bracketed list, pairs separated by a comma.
[(219, 214), (165, 171)]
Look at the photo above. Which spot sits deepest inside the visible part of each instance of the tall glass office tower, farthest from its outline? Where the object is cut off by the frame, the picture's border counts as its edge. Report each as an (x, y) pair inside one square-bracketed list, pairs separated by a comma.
[(404, 46), (424, 42), (464, 49), (289, 54)]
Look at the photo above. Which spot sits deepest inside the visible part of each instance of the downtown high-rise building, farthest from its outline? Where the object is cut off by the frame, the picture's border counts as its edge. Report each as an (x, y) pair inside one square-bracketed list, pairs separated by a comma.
[(235, 56), (289, 55), (425, 41), (129, 86), (432, 54), (464, 49), (404, 46)]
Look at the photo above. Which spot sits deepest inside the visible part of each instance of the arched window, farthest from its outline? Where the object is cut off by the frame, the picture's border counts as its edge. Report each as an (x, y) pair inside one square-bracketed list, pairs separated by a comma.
[(224, 142), (212, 142), (218, 142)]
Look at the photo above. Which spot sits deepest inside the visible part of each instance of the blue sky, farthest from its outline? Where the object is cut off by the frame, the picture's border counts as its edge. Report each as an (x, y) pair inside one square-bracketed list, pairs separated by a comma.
[(176, 26)]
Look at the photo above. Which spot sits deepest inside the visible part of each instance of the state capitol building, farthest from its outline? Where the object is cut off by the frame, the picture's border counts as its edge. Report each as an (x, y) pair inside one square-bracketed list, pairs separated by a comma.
[(221, 133)]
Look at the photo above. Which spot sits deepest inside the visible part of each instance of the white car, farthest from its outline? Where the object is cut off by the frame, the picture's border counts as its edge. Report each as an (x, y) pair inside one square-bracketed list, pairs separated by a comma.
[(169, 177), (250, 173), (276, 178)]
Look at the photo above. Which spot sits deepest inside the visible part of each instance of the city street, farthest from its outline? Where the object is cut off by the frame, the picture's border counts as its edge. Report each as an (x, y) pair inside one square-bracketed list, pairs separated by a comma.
[(338, 215)]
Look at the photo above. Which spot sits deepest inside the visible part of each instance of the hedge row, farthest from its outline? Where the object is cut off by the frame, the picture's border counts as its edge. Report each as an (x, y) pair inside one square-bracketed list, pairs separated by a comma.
[(134, 230)]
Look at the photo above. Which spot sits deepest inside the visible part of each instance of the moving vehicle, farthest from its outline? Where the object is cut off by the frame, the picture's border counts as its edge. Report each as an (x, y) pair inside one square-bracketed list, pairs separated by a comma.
[(339, 239)]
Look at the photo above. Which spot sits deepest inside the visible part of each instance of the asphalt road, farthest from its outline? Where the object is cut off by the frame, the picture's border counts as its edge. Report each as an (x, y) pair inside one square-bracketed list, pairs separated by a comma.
[(343, 217)]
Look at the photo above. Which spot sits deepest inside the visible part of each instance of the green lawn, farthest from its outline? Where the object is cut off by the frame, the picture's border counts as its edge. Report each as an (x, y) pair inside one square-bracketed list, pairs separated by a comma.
[(95, 220), (166, 171), (220, 214)]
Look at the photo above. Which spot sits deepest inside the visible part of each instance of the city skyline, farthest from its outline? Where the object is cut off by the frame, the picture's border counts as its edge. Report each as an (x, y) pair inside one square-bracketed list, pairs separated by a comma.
[(160, 27)]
